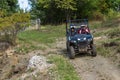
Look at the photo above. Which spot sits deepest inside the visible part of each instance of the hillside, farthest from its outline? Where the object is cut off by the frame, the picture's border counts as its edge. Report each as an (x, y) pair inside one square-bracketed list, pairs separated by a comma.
[(50, 43)]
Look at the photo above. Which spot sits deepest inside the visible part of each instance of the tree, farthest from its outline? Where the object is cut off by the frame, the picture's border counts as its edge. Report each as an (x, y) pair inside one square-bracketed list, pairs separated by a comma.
[(10, 6), (11, 25), (11, 20), (56, 11), (48, 10), (113, 4), (13, 5), (66, 5)]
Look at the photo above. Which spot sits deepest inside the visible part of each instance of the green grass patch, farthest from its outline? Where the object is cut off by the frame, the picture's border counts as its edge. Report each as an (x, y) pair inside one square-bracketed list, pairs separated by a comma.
[(115, 32), (31, 39), (48, 34), (95, 24), (103, 51), (65, 70), (114, 22), (23, 49)]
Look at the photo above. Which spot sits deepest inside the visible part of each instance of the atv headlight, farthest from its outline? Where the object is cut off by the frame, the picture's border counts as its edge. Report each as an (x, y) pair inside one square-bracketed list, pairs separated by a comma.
[(84, 38), (78, 39)]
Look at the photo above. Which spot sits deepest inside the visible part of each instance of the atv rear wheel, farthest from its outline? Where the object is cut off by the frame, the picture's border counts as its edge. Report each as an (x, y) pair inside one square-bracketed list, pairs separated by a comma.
[(71, 52), (93, 52)]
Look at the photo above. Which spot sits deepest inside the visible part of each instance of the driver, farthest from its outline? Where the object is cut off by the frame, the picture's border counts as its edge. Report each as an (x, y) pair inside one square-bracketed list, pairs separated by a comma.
[(73, 32), (84, 30)]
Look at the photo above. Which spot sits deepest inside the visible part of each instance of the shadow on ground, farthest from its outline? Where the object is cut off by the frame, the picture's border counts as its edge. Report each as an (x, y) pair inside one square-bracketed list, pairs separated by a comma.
[(65, 54)]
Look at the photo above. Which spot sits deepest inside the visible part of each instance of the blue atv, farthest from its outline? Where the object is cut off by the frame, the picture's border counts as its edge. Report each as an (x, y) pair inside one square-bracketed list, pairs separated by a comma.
[(77, 41)]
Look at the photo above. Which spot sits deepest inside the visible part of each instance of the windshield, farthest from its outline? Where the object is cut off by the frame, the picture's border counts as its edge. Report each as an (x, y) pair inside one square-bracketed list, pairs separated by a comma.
[(78, 23)]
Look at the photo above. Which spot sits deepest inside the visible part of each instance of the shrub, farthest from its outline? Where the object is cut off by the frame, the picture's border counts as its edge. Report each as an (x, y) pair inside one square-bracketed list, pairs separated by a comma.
[(11, 25)]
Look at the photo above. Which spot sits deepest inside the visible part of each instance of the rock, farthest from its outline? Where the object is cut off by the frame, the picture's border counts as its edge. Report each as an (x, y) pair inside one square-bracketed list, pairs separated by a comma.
[(39, 63), (9, 52)]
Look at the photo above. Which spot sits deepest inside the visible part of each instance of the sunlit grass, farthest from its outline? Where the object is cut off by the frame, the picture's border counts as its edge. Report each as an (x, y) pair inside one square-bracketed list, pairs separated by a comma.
[(48, 34), (65, 70), (32, 39)]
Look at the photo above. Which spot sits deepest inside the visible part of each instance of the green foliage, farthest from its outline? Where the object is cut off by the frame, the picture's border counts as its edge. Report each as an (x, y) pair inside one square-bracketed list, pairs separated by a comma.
[(57, 11), (112, 14), (66, 4), (47, 10), (12, 24), (9, 5), (10, 21), (20, 17)]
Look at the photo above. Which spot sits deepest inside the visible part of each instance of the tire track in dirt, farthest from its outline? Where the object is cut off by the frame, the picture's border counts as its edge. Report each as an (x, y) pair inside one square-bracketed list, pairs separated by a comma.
[(93, 68), (97, 68), (87, 67)]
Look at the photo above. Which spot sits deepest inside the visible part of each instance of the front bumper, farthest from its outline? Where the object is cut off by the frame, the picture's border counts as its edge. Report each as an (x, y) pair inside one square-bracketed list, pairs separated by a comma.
[(83, 46)]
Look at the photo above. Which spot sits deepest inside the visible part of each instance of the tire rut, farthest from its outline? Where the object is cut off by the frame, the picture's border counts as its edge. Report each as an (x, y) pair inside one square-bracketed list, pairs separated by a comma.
[(93, 68), (97, 68)]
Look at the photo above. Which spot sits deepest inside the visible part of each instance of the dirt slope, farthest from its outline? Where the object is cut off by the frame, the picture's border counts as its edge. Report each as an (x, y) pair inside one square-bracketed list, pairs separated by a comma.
[(93, 68)]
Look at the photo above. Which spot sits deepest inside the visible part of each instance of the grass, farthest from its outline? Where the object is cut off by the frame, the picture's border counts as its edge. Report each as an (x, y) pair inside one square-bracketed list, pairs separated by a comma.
[(31, 39), (23, 49), (104, 51), (65, 70), (48, 34), (95, 24), (112, 32)]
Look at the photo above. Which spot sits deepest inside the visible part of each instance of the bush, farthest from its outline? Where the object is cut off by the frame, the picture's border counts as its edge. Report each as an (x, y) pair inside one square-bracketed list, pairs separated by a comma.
[(97, 15), (11, 25), (112, 14)]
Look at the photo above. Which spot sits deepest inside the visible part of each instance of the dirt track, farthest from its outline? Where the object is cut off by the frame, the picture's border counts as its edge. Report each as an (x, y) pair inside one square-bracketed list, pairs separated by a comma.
[(97, 68), (93, 68), (87, 67)]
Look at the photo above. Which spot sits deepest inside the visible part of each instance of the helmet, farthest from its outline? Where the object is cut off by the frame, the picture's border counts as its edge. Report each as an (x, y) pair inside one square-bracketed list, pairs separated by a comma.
[(82, 25), (72, 26)]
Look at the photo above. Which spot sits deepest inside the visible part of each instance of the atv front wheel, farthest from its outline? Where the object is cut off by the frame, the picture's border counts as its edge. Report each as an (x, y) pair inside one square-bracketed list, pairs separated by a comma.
[(71, 52), (93, 52), (67, 46)]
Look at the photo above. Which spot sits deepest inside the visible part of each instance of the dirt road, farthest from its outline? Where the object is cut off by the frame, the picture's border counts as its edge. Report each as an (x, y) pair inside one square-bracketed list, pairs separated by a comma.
[(97, 68), (93, 68), (87, 67)]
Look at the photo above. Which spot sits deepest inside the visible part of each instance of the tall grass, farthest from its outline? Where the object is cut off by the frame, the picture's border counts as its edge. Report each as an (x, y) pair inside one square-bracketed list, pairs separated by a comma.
[(111, 30)]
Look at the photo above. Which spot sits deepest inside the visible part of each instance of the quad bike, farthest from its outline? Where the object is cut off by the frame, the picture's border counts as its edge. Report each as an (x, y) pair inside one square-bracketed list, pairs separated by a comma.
[(79, 43)]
